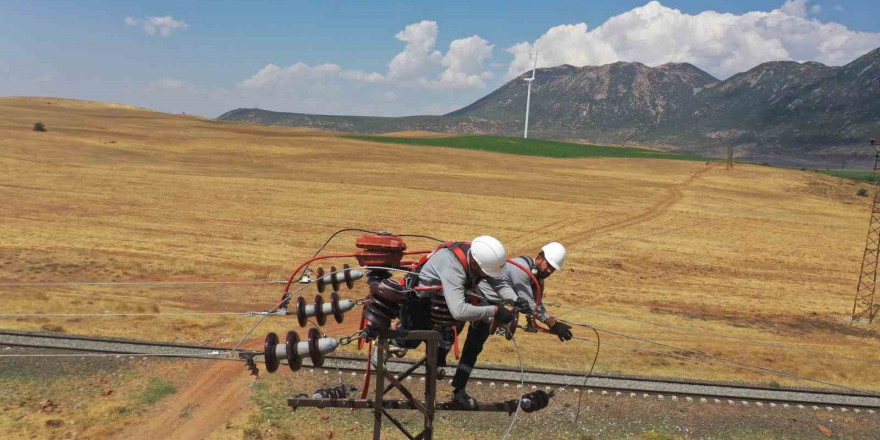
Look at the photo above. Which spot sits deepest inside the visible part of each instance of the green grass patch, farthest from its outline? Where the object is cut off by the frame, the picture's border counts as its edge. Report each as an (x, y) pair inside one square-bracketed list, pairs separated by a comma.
[(157, 389), (528, 147), (858, 176)]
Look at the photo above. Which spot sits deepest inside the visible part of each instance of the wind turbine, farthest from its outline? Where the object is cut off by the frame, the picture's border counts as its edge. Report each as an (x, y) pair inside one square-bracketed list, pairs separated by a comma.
[(529, 93)]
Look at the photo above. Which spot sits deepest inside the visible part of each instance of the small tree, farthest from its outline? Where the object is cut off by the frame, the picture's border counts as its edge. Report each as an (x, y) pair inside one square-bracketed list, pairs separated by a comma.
[(39, 127)]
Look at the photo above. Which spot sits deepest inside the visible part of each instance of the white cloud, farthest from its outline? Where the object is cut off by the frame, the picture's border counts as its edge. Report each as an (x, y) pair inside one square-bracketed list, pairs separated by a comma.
[(797, 8), (419, 64), (163, 26), (367, 77), (300, 76), (167, 83), (465, 64), (815, 9), (419, 54), (721, 43), (838, 8)]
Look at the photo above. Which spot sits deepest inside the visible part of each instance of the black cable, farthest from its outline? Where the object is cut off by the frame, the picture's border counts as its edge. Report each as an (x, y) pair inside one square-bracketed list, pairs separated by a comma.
[(590, 373), (366, 232), (423, 236), (727, 361), (707, 333), (331, 239)]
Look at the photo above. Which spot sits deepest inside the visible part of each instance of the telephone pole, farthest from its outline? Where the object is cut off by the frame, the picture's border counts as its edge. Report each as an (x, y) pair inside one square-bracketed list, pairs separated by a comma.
[(864, 307), (729, 158)]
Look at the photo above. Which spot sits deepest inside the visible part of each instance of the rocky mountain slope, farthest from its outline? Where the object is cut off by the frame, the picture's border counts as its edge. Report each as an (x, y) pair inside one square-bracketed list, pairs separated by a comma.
[(776, 107)]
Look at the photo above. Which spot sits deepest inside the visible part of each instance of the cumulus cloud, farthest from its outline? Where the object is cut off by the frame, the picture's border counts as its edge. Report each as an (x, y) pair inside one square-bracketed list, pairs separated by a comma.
[(419, 64), (797, 8), (163, 26), (815, 9), (465, 64), (721, 43), (419, 54)]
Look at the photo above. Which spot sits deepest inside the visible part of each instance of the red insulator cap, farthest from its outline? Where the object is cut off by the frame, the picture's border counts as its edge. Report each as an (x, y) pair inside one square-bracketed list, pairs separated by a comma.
[(380, 250), (388, 243)]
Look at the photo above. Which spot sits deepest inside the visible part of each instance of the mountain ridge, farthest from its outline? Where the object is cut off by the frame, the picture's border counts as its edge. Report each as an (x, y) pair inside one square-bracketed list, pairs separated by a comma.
[(777, 106)]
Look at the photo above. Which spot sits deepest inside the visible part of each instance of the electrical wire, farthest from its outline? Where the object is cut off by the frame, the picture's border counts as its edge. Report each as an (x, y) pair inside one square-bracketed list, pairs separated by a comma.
[(718, 335), (121, 355), (577, 414), (743, 365), (423, 236), (295, 292), (332, 236), (136, 283), (522, 386), (111, 315)]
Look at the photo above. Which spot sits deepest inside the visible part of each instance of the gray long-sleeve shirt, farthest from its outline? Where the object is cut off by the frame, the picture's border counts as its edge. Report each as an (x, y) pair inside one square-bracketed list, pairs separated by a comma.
[(444, 268), (521, 283)]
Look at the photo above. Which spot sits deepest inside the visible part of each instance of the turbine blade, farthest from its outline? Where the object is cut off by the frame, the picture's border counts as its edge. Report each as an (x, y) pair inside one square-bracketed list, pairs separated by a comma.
[(536, 60)]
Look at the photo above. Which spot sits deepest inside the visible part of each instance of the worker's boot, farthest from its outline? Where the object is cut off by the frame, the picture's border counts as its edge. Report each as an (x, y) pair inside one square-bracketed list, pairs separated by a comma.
[(461, 399)]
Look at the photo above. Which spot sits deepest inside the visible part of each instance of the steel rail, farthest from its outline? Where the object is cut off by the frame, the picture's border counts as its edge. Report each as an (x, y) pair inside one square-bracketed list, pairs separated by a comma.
[(637, 387)]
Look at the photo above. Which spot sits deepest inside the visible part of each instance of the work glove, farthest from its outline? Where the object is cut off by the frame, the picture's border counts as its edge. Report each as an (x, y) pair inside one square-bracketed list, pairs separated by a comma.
[(562, 330), (522, 306), (503, 315)]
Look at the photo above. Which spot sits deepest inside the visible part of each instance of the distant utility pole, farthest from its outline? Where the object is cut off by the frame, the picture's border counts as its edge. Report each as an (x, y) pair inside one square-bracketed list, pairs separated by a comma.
[(729, 158), (864, 307), (529, 93)]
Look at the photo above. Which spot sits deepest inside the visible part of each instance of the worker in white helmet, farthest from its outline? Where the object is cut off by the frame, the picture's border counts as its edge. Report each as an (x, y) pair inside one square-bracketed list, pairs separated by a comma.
[(456, 268), (548, 261)]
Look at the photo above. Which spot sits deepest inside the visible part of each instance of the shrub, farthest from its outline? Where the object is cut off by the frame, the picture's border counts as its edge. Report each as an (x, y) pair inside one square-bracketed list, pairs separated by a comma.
[(156, 390), (39, 127), (862, 192), (775, 384)]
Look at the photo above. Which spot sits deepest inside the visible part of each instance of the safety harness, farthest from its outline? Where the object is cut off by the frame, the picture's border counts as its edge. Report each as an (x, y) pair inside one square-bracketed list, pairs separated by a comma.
[(460, 249)]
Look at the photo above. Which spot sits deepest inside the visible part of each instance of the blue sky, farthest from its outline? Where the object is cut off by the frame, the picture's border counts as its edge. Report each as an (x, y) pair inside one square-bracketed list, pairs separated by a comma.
[(388, 58)]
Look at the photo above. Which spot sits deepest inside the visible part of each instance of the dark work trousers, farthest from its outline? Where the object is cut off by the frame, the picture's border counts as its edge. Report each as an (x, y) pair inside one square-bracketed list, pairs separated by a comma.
[(478, 333), (416, 315)]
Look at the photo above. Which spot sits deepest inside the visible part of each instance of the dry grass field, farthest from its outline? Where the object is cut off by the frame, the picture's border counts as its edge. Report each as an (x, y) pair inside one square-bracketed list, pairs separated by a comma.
[(116, 193)]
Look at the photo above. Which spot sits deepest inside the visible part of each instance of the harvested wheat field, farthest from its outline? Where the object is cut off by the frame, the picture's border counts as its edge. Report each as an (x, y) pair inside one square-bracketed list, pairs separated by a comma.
[(115, 193)]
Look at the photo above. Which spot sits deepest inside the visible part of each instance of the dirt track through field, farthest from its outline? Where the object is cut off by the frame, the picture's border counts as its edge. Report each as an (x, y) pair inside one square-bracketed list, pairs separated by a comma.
[(220, 391), (676, 193)]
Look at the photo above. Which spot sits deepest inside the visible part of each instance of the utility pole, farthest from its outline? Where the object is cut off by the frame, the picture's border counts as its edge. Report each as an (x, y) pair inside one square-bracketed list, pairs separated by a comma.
[(864, 307), (729, 158)]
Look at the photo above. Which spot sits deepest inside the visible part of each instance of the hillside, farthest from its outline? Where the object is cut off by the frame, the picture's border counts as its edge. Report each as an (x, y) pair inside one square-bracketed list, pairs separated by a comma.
[(117, 194), (774, 108)]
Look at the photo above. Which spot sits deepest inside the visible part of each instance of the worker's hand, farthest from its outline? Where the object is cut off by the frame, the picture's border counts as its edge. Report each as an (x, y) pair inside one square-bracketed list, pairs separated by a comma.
[(562, 330), (503, 315), (522, 306)]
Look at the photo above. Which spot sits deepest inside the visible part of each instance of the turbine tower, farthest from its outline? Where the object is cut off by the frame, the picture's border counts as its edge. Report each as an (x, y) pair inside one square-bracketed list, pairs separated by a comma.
[(529, 93)]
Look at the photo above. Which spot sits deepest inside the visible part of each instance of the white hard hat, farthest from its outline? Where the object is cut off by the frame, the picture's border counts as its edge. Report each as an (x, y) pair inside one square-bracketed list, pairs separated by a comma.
[(554, 253), (489, 253)]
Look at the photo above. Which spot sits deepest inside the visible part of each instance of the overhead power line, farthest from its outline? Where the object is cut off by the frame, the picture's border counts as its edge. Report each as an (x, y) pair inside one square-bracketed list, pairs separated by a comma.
[(718, 335), (729, 362), (134, 283)]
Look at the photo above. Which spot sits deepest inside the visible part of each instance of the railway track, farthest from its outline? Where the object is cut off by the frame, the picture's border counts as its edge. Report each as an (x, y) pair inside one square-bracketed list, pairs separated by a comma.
[(697, 392)]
